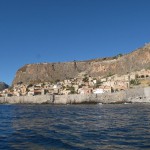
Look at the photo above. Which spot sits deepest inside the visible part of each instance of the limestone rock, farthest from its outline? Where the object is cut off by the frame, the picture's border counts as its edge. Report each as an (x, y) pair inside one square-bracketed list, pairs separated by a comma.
[(43, 72), (3, 86)]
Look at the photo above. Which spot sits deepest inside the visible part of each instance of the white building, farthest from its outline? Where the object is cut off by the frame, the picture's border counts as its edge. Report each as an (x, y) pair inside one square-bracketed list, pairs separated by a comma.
[(98, 91)]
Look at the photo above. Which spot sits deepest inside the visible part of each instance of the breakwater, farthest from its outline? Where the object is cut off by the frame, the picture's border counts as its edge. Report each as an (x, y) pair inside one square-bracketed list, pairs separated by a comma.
[(128, 96)]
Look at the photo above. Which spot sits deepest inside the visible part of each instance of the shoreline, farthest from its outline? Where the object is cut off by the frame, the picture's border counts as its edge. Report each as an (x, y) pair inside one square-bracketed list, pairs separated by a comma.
[(137, 95)]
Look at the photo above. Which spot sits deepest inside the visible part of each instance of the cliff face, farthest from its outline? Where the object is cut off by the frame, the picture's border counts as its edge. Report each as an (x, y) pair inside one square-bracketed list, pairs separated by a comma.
[(3, 86), (33, 73)]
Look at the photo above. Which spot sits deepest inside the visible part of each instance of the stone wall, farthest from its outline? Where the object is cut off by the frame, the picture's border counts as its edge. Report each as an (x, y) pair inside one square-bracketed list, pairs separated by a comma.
[(91, 98), (132, 95), (138, 95), (27, 99)]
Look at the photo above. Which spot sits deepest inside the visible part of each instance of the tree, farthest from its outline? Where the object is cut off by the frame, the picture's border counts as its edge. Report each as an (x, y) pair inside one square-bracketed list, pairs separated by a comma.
[(110, 74), (117, 56), (134, 82), (53, 67), (75, 65), (85, 79)]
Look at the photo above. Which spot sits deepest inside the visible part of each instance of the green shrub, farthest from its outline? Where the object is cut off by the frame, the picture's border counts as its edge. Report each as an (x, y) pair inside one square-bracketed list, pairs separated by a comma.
[(110, 74), (85, 79), (134, 82), (117, 56)]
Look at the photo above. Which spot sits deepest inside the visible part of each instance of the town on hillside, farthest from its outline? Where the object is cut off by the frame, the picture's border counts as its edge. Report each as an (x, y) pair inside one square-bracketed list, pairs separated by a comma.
[(82, 84)]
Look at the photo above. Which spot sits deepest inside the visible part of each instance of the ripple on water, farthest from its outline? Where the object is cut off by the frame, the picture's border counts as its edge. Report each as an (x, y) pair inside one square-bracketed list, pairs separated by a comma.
[(106, 127)]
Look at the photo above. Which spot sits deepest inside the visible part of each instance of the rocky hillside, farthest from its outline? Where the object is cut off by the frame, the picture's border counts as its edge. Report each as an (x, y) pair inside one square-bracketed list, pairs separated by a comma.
[(3, 86), (33, 73)]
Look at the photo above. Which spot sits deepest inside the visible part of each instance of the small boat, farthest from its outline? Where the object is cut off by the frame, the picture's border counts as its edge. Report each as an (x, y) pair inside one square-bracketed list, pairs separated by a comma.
[(126, 103), (100, 103)]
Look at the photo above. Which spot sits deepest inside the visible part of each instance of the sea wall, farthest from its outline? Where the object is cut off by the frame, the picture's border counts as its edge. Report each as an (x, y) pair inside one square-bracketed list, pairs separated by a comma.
[(138, 95), (27, 99), (91, 98), (131, 95)]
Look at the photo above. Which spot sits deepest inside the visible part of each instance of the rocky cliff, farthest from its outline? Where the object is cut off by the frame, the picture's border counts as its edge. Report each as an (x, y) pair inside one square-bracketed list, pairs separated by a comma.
[(3, 86), (136, 60)]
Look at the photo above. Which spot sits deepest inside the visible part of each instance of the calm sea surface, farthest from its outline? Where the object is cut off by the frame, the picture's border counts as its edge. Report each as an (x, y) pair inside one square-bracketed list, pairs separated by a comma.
[(75, 127)]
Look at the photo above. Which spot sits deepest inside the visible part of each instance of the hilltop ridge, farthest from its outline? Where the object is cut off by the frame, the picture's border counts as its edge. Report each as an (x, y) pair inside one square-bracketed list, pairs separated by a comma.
[(3, 86), (50, 72)]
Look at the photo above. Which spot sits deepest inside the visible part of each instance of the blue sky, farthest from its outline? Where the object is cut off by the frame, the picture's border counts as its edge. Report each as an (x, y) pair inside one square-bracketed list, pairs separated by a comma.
[(33, 31)]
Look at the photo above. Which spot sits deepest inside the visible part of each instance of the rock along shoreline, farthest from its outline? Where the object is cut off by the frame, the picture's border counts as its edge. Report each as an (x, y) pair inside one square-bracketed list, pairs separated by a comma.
[(137, 95)]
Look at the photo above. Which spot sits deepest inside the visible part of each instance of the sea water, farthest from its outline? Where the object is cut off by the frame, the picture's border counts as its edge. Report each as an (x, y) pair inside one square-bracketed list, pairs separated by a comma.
[(75, 127)]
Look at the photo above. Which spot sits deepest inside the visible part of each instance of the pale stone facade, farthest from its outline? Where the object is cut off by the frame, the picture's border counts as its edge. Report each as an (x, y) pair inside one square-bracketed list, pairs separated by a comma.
[(83, 84)]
